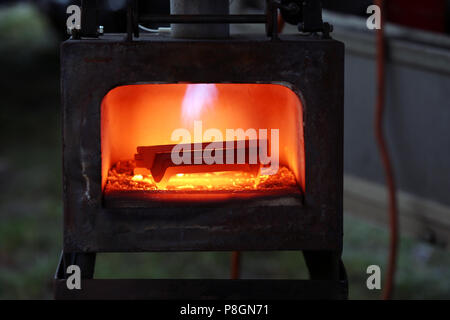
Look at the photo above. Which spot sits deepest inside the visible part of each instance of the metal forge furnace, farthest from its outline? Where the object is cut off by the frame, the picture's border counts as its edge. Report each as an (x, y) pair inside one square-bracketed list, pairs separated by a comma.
[(128, 101)]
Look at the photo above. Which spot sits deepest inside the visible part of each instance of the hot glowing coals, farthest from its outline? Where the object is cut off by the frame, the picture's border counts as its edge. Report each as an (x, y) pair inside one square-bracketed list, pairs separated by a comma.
[(121, 177)]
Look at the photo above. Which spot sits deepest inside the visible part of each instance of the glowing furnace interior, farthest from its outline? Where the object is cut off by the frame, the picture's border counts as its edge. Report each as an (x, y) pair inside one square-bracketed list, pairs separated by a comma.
[(144, 118)]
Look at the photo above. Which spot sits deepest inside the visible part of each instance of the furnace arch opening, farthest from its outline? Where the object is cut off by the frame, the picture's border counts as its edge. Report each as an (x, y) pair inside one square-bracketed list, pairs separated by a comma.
[(146, 115)]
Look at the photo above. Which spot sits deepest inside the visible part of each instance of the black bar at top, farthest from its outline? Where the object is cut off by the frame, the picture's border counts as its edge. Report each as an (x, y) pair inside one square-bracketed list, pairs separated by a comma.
[(185, 18)]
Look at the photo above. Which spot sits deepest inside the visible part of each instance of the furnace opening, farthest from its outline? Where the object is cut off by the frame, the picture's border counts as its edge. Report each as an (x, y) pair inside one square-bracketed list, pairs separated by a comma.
[(156, 142)]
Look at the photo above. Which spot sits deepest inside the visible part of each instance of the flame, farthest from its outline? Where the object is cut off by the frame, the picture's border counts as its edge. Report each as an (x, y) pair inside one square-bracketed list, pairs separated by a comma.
[(197, 99), (137, 177)]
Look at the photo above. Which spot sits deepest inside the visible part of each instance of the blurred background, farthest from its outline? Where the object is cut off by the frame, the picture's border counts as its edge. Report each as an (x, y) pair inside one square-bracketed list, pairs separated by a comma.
[(417, 125)]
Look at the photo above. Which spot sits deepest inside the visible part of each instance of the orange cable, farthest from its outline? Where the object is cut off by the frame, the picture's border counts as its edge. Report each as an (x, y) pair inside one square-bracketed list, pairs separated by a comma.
[(384, 153), (235, 264), (280, 22)]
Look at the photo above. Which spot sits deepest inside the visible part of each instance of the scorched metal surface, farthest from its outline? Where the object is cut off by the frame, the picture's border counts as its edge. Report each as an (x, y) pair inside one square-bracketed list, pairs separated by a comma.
[(311, 66)]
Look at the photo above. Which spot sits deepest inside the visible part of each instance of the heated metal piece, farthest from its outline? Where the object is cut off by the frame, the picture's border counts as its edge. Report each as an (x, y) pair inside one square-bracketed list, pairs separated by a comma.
[(231, 156)]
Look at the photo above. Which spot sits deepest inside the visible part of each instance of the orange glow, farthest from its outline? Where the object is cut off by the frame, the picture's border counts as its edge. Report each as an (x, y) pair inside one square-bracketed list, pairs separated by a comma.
[(122, 178), (146, 115)]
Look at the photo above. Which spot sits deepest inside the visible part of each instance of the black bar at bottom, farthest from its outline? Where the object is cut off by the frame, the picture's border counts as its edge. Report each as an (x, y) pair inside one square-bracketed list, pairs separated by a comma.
[(202, 289)]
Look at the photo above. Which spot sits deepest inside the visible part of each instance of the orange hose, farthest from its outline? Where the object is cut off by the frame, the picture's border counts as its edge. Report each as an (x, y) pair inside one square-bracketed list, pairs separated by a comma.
[(280, 23), (235, 264), (384, 153)]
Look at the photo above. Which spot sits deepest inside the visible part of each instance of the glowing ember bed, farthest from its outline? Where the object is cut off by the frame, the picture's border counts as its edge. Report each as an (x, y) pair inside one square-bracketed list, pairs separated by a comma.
[(123, 186)]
